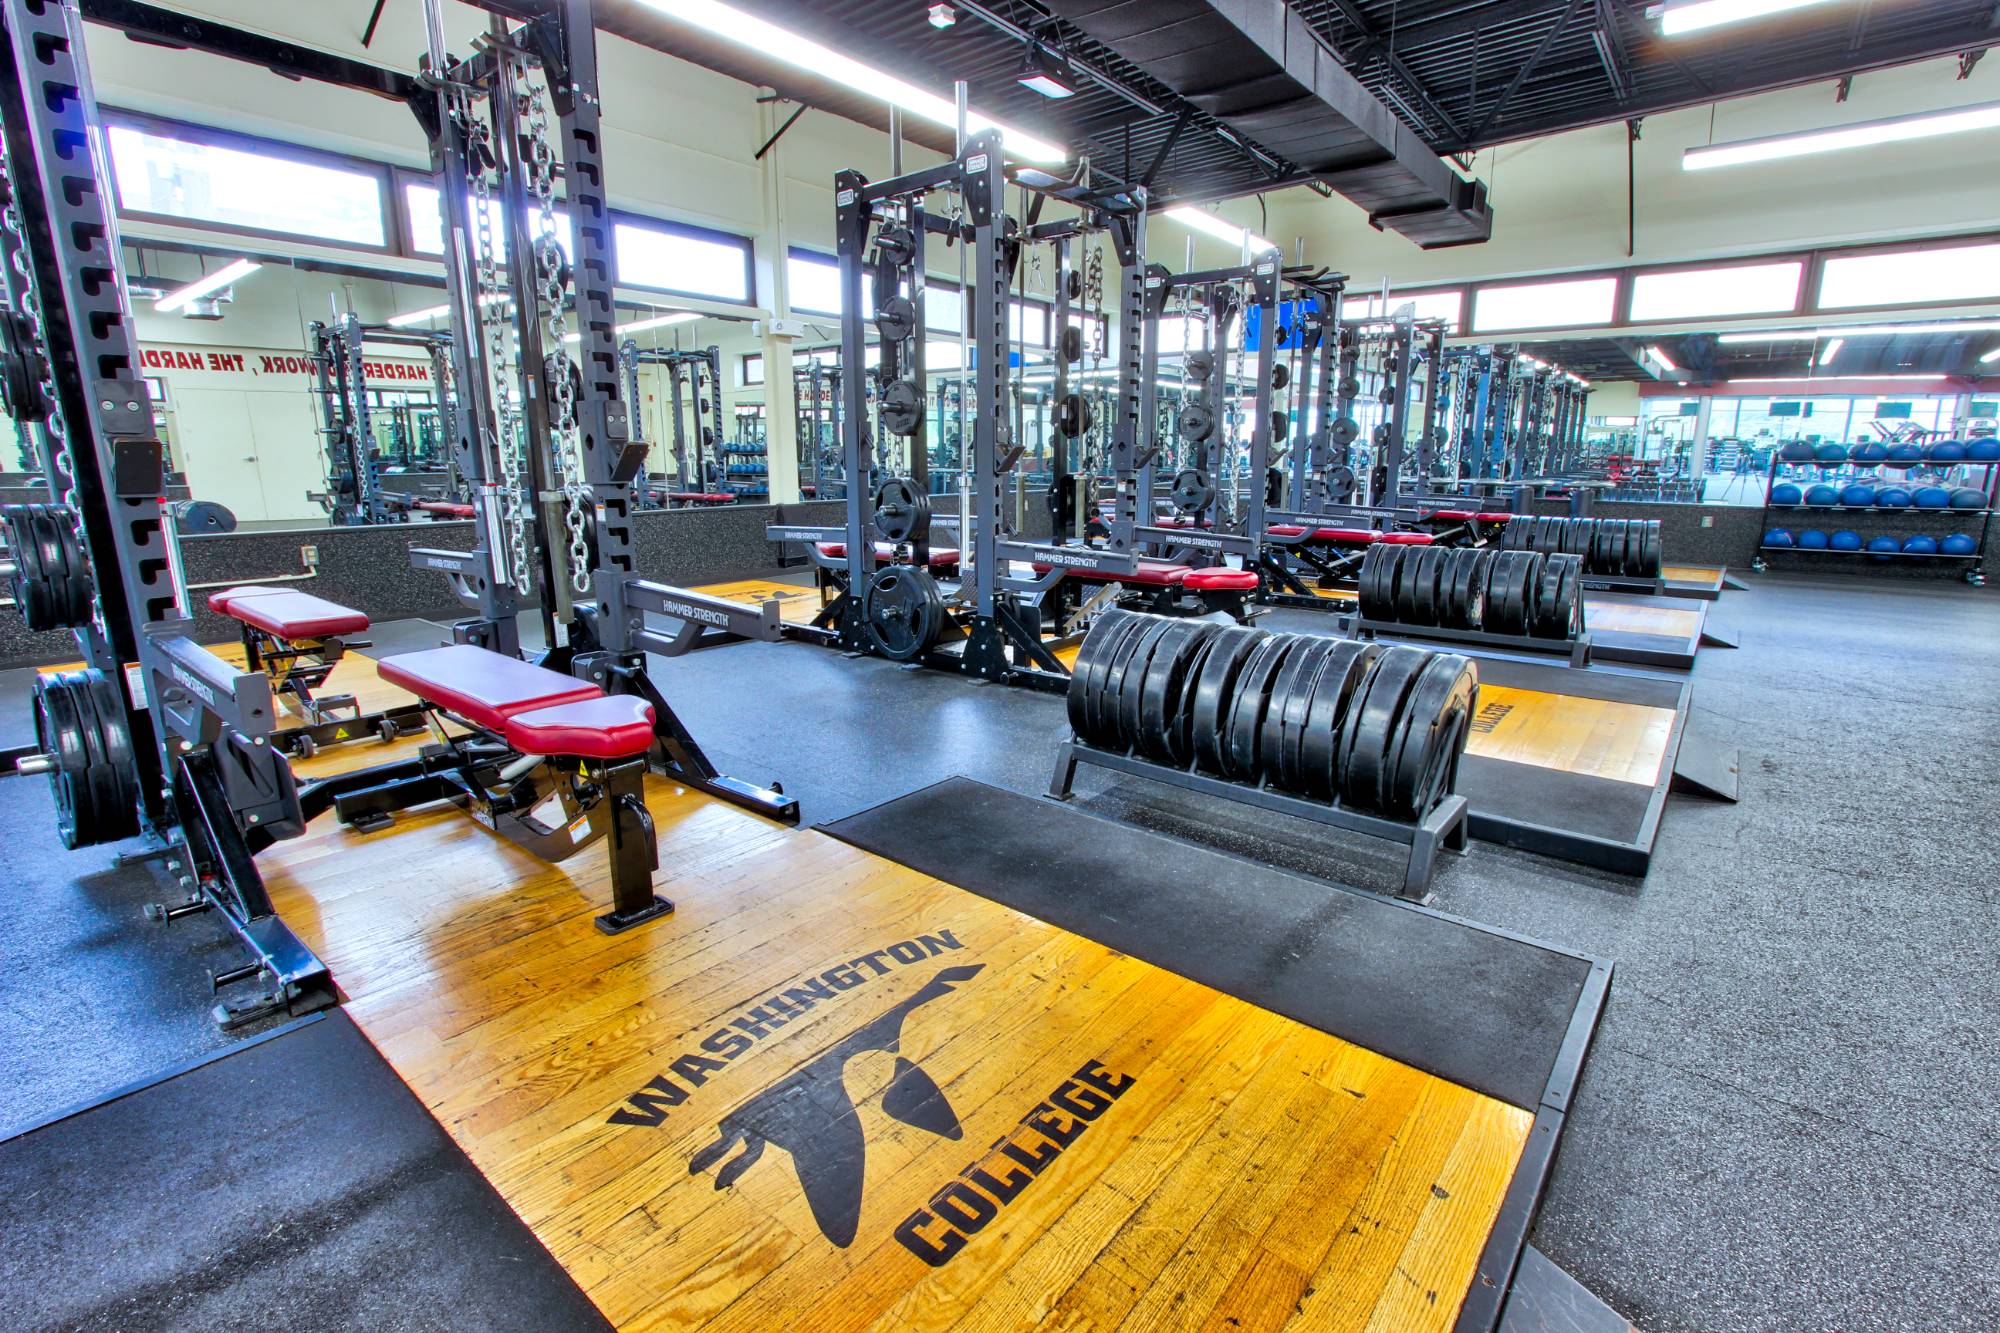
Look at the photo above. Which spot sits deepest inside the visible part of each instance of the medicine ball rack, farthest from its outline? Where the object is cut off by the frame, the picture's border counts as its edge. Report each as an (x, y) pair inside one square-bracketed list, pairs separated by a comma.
[(1351, 736), (1971, 565)]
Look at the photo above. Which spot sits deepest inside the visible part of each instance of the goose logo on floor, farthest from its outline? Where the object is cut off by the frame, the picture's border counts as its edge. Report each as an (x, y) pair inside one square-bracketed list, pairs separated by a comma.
[(810, 1115)]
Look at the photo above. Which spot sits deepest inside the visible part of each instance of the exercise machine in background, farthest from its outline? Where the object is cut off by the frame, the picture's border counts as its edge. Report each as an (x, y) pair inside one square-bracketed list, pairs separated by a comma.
[(352, 459)]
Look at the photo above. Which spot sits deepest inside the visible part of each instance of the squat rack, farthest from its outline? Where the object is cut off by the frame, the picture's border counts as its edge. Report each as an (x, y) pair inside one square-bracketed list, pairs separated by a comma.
[(694, 378), (354, 493)]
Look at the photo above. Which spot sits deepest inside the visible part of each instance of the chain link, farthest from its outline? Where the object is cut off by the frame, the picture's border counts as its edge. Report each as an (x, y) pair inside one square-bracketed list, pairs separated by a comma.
[(553, 279)]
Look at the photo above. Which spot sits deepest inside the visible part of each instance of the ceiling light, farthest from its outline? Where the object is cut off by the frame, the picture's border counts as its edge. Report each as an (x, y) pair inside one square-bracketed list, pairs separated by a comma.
[(641, 325), (782, 44), (1990, 357), (202, 286), (1860, 331), (1661, 359), (1698, 15), (943, 16), (431, 312), (1985, 116), (1046, 73), (1831, 350), (1825, 379), (1204, 221)]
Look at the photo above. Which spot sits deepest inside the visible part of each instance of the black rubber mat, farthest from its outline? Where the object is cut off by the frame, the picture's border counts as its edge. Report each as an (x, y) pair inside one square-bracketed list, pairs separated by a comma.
[(291, 1183), (1575, 802), (1486, 1010)]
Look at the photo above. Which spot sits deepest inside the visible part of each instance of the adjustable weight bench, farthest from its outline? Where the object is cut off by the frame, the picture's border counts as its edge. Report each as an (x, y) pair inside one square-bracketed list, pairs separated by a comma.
[(1465, 527), (552, 763), (296, 639), (1174, 589)]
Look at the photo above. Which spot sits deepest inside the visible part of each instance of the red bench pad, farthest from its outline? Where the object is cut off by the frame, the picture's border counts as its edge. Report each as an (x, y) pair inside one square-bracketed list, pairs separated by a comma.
[(1453, 515), (941, 556), (611, 726), (1220, 580), (1500, 517), (703, 497), (444, 507), (1156, 573), (482, 686), (286, 612), (1355, 536)]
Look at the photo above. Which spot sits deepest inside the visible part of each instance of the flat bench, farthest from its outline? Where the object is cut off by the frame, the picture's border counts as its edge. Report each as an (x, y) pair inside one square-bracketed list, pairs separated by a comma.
[(535, 710), (296, 639), (443, 508), (691, 498)]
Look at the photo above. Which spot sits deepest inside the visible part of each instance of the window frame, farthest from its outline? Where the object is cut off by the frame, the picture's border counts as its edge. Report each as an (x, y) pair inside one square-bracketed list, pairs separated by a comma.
[(1620, 299), (1816, 273), (1628, 287), (281, 149)]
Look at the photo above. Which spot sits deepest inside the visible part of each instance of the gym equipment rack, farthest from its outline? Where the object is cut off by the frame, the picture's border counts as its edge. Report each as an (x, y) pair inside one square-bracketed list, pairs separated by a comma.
[(1973, 562)]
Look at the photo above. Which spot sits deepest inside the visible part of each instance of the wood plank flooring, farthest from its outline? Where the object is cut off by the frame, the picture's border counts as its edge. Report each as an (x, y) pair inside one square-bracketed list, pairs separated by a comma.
[(1597, 737), (830, 1092)]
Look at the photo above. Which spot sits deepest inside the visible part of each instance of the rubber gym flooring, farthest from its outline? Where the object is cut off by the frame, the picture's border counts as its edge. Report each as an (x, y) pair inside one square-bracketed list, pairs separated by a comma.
[(1789, 1116)]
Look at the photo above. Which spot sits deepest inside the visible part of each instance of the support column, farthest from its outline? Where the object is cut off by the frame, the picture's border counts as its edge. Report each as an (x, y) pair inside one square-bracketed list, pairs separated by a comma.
[(1698, 450), (781, 409)]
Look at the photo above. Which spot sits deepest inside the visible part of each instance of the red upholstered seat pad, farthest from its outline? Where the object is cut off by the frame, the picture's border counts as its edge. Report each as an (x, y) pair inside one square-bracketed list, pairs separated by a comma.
[(1496, 517), (703, 497), (444, 507), (1404, 538), (1453, 515), (611, 726), (287, 613), (1156, 573), (1220, 580), (481, 686), (940, 555)]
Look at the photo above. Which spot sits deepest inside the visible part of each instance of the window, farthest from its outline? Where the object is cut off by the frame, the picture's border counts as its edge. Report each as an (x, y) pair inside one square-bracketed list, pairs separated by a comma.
[(1029, 321), (1738, 289), (278, 189), (1544, 305), (670, 258), (1911, 277), (813, 282), (1447, 306), (751, 372), (426, 219), (1179, 333), (944, 308)]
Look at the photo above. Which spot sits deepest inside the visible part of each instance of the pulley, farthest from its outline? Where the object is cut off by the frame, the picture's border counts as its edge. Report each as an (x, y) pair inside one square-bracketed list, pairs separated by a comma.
[(1192, 491), (902, 408), (896, 319), (1197, 423), (902, 612), (902, 512), (51, 580), (93, 773)]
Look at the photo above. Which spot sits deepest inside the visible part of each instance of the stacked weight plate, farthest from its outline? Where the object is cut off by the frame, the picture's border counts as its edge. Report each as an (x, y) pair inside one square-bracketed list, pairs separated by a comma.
[(1519, 592), (1375, 728), (1610, 547)]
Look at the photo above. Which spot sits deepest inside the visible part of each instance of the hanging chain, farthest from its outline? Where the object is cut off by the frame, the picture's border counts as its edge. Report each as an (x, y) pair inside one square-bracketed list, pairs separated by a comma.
[(552, 281)]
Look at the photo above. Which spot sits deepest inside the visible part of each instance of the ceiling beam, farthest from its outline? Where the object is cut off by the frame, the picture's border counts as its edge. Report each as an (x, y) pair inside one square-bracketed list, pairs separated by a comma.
[(1374, 44), (1499, 106)]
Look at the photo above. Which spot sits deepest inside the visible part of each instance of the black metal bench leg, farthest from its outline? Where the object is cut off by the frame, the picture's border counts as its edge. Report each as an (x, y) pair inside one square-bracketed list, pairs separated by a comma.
[(634, 853)]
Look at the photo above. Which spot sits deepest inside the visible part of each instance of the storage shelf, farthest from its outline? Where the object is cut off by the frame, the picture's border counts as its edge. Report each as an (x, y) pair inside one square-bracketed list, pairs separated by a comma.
[(1879, 555), (1878, 509)]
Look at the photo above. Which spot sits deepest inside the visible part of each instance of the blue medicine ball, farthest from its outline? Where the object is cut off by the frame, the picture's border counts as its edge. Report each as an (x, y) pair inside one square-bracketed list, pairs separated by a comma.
[(1812, 539), (1959, 543), (1845, 540), (1967, 497), (1858, 494), (1985, 449), (1822, 496), (1893, 497), (1883, 546), (1931, 497), (1920, 545), (1947, 451), (1784, 493), (1869, 451), (1796, 451), (1831, 455), (1778, 537), (1904, 455)]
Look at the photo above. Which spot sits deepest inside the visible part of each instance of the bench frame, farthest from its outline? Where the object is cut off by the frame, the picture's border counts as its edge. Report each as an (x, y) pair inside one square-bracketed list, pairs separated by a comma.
[(298, 667)]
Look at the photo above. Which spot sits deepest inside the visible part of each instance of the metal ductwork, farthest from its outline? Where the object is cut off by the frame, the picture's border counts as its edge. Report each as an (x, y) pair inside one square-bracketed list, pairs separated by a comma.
[(1255, 66)]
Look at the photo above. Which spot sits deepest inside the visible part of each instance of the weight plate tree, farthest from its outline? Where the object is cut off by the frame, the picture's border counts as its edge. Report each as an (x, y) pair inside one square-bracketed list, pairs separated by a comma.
[(1358, 725)]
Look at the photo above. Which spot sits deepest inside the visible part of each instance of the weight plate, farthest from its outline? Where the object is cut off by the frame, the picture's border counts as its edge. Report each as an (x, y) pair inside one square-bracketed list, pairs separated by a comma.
[(902, 612), (1576, 537), (1180, 700), (1074, 282), (1430, 573), (1345, 666), (1406, 587), (1569, 597), (1546, 618), (1130, 681), (902, 512), (1069, 346), (1614, 546), (113, 774), (1507, 592), (1197, 423), (1191, 492), (1281, 375), (1343, 431), (1600, 546), (1340, 481), (1285, 719), (1104, 697), (1376, 563), (1251, 699), (1365, 752), (1160, 704), (1200, 365), (1432, 731), (1281, 425), (60, 736), (1651, 558), (896, 319), (1093, 660), (902, 408), (1348, 386), (1475, 588), (1514, 536), (1214, 690)]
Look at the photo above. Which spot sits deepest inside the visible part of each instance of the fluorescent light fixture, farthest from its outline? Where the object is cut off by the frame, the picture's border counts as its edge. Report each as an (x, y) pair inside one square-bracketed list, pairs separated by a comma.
[(1662, 360), (1860, 331), (202, 286), (943, 16), (431, 312), (801, 52), (1827, 379), (1831, 350), (1924, 125), (1204, 221), (1049, 75), (1990, 357), (1700, 15), (641, 325)]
